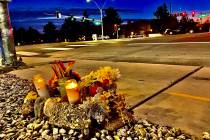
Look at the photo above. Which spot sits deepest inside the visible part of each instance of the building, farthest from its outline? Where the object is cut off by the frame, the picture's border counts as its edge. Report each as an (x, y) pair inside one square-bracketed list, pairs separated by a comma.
[(136, 28)]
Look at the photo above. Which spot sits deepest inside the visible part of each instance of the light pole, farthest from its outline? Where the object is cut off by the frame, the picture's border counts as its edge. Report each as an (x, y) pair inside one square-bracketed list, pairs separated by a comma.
[(101, 13)]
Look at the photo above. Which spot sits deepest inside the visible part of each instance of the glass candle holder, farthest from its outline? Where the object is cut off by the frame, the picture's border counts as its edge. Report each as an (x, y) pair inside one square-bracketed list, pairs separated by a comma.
[(41, 86), (72, 91)]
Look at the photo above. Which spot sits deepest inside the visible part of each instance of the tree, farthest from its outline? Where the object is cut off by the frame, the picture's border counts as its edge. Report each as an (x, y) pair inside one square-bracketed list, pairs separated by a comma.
[(87, 27), (70, 29), (163, 19), (50, 33), (32, 36), (111, 18), (85, 14), (20, 36), (162, 12), (187, 24)]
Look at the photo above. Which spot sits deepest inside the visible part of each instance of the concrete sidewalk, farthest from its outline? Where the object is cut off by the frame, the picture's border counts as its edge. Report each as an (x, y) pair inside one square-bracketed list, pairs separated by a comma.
[(186, 105), (140, 81)]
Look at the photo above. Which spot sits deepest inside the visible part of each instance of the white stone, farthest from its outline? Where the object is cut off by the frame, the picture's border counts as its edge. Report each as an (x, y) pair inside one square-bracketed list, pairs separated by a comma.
[(55, 131), (62, 131)]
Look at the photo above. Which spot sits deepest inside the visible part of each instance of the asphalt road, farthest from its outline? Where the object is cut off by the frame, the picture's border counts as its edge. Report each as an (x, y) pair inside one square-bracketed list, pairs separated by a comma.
[(187, 49)]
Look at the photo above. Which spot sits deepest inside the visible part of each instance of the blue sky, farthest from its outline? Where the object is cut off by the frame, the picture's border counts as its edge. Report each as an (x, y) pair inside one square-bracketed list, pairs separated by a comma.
[(145, 7)]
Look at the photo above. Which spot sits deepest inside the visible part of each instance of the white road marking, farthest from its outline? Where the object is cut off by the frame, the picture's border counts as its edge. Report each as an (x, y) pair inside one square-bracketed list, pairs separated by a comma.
[(79, 45), (168, 43), (27, 53), (58, 49)]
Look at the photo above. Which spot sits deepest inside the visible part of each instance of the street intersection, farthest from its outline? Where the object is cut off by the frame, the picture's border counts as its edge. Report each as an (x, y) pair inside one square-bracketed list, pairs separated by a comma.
[(165, 79)]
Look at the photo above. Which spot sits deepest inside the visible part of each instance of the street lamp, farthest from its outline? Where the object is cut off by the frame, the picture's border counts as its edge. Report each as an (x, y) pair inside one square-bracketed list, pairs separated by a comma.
[(101, 13)]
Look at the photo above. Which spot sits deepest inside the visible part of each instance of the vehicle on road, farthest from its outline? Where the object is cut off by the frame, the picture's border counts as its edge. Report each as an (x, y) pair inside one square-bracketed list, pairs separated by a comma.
[(183, 30), (178, 31), (106, 37)]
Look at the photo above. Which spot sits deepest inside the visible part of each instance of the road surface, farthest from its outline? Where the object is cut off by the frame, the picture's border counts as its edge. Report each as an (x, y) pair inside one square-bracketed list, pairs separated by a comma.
[(189, 49)]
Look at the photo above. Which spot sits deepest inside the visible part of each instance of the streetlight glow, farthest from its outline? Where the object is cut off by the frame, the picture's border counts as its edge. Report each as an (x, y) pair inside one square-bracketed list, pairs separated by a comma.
[(101, 14)]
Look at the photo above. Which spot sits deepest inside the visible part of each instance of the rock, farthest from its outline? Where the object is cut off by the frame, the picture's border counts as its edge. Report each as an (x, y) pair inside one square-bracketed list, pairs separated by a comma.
[(122, 132), (206, 136), (66, 115), (37, 126), (116, 137), (2, 135), (71, 132), (109, 137), (80, 136), (55, 131), (21, 136), (97, 134), (142, 132), (35, 134), (93, 139), (129, 138), (103, 137), (86, 132), (115, 124), (47, 137), (45, 126), (28, 108), (146, 123), (181, 137), (57, 137), (170, 138), (38, 106), (104, 132), (45, 132), (49, 106), (75, 133), (30, 126), (62, 131), (160, 134)]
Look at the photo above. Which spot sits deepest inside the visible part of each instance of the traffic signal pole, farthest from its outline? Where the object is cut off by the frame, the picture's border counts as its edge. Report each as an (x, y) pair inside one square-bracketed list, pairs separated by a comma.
[(8, 48)]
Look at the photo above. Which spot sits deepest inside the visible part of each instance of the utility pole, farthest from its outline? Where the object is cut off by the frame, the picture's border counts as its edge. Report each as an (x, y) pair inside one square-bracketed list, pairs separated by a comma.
[(170, 8), (101, 14), (8, 49)]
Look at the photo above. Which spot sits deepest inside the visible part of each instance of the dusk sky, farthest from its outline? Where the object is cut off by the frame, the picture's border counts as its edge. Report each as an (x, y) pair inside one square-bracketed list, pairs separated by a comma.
[(145, 7)]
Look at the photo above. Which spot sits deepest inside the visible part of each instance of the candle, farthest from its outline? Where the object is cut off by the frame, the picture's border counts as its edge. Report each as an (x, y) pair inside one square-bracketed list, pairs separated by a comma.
[(72, 91), (40, 85)]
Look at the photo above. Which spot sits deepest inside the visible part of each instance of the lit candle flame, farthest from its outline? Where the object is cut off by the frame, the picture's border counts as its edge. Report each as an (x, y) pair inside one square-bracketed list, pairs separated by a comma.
[(71, 85), (40, 80)]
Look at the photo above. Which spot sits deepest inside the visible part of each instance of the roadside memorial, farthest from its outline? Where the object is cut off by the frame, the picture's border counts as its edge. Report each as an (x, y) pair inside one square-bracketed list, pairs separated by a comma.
[(69, 106)]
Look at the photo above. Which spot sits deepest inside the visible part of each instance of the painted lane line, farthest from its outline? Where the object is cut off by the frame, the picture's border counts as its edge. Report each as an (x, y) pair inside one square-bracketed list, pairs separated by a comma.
[(191, 96), (79, 45), (27, 53), (167, 43), (58, 49)]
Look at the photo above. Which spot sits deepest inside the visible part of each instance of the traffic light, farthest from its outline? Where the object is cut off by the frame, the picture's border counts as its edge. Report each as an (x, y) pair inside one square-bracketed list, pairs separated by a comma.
[(193, 13), (175, 14), (183, 14), (115, 27)]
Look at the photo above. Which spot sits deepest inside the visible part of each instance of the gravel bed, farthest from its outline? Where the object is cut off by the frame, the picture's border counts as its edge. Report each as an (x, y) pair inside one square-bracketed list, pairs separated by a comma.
[(14, 126)]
